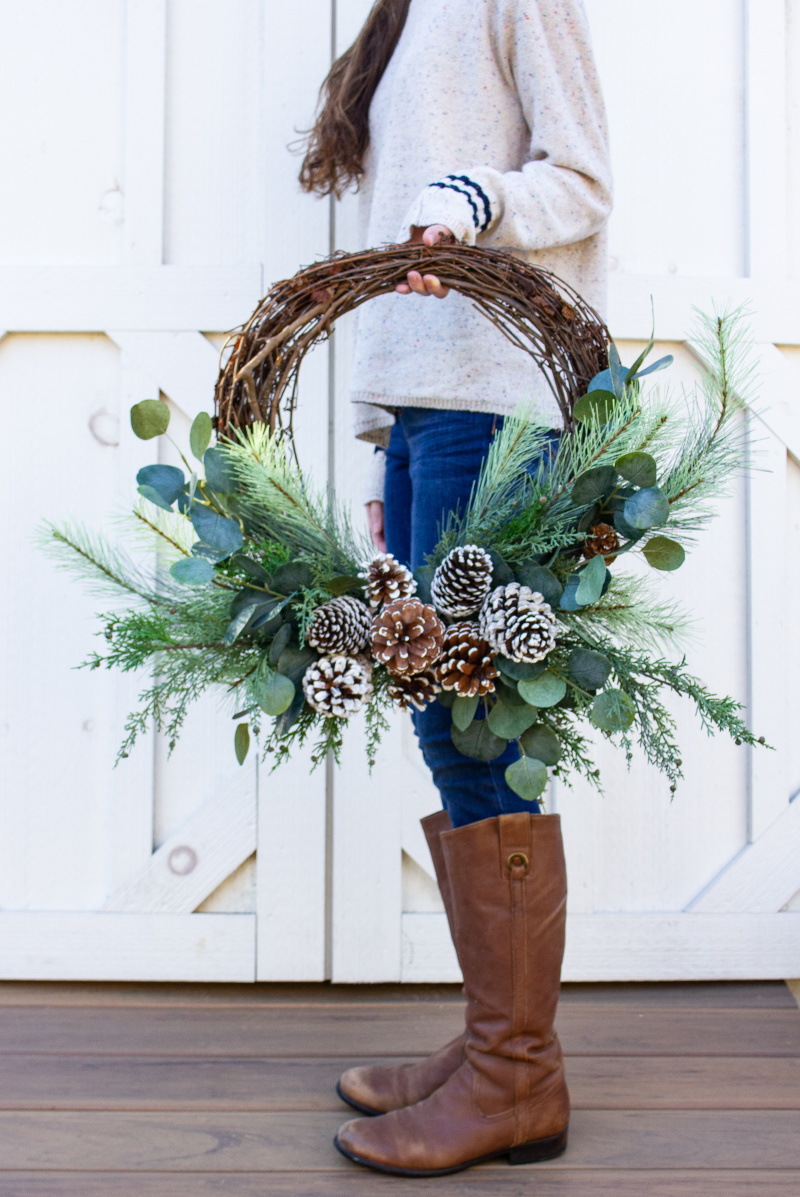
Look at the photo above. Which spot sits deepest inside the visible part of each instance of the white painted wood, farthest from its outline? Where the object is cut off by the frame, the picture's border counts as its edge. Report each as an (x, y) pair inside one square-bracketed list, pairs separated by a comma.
[(778, 397), (769, 608), (64, 946), (217, 838), (764, 876), (93, 298), (765, 138), (184, 365), (143, 131), (636, 947)]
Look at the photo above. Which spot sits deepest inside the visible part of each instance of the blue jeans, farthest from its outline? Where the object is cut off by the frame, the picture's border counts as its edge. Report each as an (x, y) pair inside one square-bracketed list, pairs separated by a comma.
[(433, 459)]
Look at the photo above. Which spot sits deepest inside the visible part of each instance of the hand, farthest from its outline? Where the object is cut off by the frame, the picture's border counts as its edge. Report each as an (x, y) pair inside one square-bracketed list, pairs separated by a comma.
[(376, 526), (427, 284)]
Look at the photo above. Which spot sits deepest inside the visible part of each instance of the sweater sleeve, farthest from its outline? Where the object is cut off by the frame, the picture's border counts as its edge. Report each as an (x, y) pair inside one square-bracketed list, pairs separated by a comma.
[(562, 192)]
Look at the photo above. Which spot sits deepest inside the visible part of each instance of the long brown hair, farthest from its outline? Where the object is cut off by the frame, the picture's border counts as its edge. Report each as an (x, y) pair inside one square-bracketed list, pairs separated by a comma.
[(336, 145)]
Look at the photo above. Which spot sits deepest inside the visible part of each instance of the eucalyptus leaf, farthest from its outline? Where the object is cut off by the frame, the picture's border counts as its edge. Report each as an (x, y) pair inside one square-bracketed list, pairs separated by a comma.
[(663, 553), (290, 716), (423, 575), (342, 584), (154, 496), (519, 671), (253, 569), (200, 549), (623, 528), (661, 364), (527, 777), (478, 741), (237, 626), (241, 742), (593, 485), (540, 578), (219, 476), (168, 480), (613, 711), (447, 698), (149, 418), (595, 405), (511, 721), (646, 509), (200, 434), (588, 669), (502, 573), (282, 638), (590, 581), (274, 693), (541, 741), (267, 612), (569, 600), (294, 575), (293, 662), (632, 372), (192, 571), (544, 691), (216, 530), (248, 596), (602, 382), (507, 692), (464, 710), (639, 468), (617, 370)]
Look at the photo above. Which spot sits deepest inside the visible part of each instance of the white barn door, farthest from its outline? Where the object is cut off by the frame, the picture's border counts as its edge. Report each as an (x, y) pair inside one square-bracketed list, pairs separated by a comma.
[(152, 201)]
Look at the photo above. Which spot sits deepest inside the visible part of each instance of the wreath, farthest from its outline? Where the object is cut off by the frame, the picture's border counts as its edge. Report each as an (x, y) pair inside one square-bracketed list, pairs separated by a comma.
[(524, 621)]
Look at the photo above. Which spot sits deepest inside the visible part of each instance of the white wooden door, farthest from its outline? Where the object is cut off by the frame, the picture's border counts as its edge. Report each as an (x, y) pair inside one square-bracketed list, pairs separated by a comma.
[(151, 202)]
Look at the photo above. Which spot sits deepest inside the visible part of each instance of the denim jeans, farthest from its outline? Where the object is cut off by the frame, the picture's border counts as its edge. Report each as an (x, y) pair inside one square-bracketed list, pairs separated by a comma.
[(433, 459)]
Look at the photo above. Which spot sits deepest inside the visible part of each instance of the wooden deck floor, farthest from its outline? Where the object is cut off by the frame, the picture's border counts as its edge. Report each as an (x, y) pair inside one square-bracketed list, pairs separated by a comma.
[(204, 1091)]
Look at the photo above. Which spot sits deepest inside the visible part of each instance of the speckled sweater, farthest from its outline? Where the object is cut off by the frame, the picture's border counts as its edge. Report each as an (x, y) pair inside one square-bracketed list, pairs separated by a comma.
[(489, 119)]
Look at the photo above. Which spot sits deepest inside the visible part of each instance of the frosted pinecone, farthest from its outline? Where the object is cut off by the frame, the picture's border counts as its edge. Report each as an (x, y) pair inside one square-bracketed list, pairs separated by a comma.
[(386, 580), (417, 690), (340, 626), (466, 664), (338, 686), (462, 581), (518, 623), (407, 636)]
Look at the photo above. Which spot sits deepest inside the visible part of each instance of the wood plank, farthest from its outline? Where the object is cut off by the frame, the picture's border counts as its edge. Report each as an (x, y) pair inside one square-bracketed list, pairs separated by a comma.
[(717, 995), (358, 1031), (164, 947), (143, 122), (297, 1141), (636, 947), (480, 1182), (93, 298), (77, 1082)]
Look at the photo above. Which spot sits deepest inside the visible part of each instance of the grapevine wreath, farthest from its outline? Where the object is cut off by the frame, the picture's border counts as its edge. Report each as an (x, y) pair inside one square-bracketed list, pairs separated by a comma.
[(524, 621)]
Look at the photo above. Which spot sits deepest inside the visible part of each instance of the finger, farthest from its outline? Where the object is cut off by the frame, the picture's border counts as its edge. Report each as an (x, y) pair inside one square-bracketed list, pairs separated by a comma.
[(415, 283), (379, 540), (403, 288), (434, 287), (435, 234)]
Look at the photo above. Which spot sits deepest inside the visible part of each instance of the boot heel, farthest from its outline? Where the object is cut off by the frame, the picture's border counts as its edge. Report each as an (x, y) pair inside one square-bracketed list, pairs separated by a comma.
[(538, 1150)]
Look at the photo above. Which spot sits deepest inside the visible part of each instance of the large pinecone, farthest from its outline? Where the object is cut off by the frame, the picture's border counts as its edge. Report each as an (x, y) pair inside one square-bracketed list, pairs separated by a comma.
[(462, 581), (338, 685), (466, 664), (386, 580), (407, 636), (340, 626), (602, 539), (518, 623), (418, 690)]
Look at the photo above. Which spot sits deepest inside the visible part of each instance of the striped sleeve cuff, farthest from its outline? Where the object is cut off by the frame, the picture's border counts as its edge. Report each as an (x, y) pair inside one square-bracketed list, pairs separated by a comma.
[(457, 201)]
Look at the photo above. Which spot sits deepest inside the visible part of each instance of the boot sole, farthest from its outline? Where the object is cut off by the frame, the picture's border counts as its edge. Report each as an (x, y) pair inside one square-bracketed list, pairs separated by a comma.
[(534, 1152), (356, 1105)]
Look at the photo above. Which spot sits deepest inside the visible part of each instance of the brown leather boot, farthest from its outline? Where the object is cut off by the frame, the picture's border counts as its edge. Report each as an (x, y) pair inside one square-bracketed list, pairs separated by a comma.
[(378, 1088), (509, 1097)]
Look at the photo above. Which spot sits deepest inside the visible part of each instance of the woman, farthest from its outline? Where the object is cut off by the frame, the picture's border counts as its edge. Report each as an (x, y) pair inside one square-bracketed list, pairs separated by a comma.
[(480, 121)]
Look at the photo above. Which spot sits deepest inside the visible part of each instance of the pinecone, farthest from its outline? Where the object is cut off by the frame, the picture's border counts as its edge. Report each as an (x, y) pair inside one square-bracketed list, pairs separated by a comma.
[(518, 623), (387, 580), (407, 636), (462, 581), (416, 691), (603, 539), (338, 685), (340, 626), (466, 663)]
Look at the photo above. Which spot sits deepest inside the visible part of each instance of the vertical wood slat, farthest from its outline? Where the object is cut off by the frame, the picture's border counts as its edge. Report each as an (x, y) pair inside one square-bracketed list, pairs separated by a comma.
[(767, 163), (291, 859), (143, 181)]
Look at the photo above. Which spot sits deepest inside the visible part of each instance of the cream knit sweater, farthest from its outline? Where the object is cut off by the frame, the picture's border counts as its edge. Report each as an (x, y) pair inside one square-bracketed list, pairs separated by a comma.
[(489, 119)]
